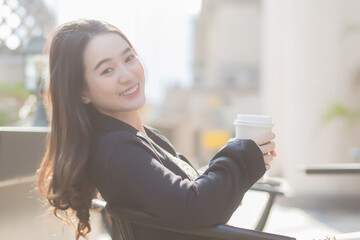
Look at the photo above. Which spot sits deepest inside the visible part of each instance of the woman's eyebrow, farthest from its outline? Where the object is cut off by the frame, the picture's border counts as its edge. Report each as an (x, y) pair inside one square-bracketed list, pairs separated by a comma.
[(126, 50), (101, 62), (108, 59)]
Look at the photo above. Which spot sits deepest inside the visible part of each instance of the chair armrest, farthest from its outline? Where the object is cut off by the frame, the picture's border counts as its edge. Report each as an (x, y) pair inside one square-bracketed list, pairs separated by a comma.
[(271, 185), (221, 231), (273, 188), (98, 204)]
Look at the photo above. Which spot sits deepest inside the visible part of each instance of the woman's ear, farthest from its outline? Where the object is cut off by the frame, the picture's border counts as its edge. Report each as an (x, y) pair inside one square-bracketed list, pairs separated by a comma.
[(84, 97)]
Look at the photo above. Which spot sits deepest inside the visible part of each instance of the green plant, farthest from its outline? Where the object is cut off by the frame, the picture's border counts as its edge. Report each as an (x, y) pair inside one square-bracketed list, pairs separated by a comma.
[(12, 97), (351, 117), (2, 118), (13, 90), (340, 111)]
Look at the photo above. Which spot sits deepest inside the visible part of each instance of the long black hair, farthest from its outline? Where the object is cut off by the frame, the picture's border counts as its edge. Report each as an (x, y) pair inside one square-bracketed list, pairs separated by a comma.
[(62, 178)]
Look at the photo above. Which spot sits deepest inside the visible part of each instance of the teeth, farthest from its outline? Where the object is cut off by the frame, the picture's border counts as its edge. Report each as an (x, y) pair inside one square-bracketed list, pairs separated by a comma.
[(130, 91)]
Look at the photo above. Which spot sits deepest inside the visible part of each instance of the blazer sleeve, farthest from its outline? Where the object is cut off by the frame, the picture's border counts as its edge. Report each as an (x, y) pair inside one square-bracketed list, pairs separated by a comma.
[(136, 176)]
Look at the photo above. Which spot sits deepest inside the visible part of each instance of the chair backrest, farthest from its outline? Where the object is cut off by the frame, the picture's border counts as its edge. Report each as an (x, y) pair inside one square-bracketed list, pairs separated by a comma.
[(125, 217)]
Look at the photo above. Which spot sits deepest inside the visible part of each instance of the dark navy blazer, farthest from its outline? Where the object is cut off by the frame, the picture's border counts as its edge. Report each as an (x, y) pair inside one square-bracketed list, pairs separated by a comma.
[(146, 173)]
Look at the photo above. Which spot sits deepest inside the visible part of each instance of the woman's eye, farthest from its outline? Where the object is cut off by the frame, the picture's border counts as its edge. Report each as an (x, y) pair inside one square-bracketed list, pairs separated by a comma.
[(108, 70), (129, 58)]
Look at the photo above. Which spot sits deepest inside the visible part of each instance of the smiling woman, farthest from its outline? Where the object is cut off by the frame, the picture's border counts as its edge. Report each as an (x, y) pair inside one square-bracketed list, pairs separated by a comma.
[(98, 142)]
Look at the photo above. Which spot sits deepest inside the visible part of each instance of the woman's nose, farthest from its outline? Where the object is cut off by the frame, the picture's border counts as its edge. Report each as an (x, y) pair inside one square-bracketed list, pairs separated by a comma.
[(125, 74)]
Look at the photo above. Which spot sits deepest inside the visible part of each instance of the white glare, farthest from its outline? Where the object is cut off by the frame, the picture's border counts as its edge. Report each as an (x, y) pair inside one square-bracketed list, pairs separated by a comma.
[(13, 20), (195, 7), (5, 31), (5, 11), (13, 42), (21, 11), (30, 21), (13, 3)]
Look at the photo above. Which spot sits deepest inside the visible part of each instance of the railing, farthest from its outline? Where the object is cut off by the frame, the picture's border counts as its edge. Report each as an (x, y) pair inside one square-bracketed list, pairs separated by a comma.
[(21, 150)]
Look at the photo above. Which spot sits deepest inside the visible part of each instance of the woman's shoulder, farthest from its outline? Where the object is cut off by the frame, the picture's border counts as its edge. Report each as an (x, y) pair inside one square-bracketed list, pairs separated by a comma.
[(107, 146), (112, 139), (116, 135)]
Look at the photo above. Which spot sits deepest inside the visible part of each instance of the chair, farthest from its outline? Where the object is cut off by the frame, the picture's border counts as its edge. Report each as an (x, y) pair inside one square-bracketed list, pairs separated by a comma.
[(122, 218), (274, 188)]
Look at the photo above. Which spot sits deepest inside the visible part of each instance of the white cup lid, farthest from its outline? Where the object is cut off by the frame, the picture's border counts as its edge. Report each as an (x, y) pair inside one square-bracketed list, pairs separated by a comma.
[(254, 120)]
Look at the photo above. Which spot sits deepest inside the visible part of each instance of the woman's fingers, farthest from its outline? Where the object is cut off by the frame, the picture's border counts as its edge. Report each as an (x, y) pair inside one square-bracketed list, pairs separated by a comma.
[(267, 147), (267, 166), (268, 154), (273, 153), (268, 158)]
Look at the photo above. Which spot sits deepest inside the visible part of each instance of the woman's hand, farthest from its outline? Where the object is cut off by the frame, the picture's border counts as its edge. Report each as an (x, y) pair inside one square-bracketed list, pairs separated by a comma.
[(267, 147)]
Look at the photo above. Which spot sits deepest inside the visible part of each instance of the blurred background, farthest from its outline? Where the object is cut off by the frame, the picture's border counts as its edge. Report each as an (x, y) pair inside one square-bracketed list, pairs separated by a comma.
[(208, 60)]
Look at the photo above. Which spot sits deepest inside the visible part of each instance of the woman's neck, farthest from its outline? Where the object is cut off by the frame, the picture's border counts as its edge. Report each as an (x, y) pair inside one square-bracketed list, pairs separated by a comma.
[(133, 119)]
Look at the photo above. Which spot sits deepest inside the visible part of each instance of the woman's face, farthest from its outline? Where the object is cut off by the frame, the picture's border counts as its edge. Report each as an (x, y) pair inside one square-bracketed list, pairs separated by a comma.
[(114, 76)]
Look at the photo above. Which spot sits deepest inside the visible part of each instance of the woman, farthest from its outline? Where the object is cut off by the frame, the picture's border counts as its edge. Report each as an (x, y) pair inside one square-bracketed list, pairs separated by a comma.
[(98, 142)]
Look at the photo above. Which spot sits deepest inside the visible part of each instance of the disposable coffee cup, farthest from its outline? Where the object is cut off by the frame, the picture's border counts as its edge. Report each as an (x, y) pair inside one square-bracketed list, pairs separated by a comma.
[(249, 126)]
